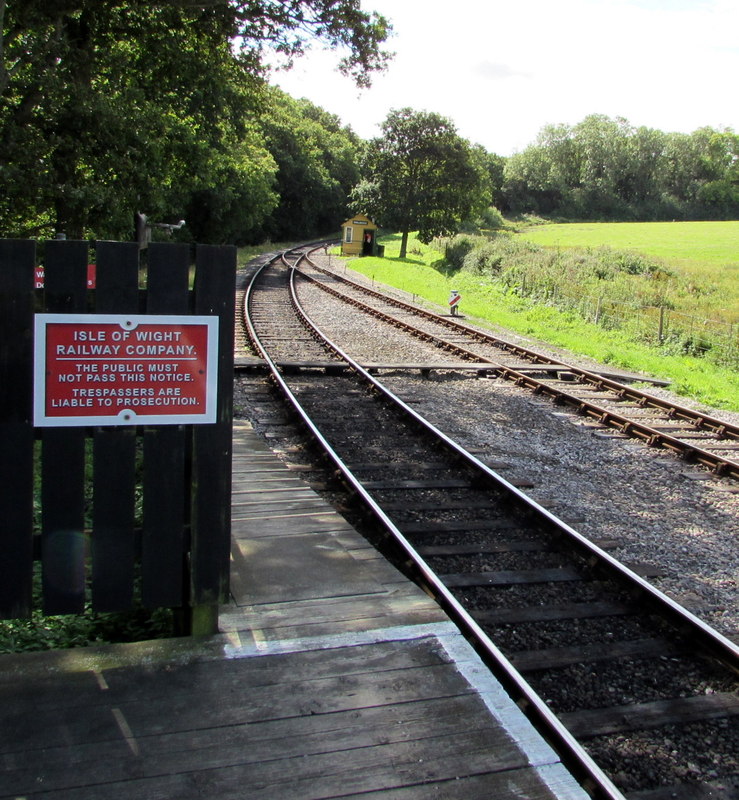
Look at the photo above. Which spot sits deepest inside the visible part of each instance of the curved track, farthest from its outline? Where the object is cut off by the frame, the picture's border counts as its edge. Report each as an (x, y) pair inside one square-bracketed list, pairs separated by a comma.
[(615, 404), (535, 597)]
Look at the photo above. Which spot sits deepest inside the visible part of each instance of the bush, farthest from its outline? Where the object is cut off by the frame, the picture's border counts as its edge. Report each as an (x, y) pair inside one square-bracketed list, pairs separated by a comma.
[(484, 260), (492, 220), (456, 249)]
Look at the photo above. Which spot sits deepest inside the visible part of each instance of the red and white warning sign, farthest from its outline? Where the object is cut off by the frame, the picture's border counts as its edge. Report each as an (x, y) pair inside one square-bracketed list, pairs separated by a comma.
[(39, 275), (115, 369)]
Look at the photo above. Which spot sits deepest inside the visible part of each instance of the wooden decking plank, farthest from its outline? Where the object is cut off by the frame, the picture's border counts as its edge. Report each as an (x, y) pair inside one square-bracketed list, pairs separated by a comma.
[(204, 704), (327, 621), (368, 769), (213, 748), (509, 785), (257, 495), (282, 480), (320, 516), (280, 506), (280, 672), (322, 775), (271, 572), (275, 527)]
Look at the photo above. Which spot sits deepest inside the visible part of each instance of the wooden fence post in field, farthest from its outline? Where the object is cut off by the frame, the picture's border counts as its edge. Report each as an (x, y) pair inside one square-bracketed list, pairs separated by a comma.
[(133, 505)]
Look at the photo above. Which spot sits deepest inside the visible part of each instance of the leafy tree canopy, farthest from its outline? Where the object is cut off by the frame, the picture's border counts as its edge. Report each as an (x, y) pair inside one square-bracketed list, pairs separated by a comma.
[(606, 168), (108, 106), (317, 164), (421, 175)]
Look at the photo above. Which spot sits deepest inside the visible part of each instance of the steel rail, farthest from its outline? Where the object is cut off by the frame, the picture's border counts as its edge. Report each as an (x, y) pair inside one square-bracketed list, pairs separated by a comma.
[(585, 770), (588, 773), (701, 421), (721, 647), (719, 465)]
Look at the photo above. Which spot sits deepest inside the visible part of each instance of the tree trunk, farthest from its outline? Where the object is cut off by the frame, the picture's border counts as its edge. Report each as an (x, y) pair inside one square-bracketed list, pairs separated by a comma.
[(403, 245)]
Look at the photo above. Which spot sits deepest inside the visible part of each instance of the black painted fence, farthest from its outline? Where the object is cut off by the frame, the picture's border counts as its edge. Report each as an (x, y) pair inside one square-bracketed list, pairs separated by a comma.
[(114, 515)]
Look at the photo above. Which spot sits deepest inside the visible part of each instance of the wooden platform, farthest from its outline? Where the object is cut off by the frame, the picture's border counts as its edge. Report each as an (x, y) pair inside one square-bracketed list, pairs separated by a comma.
[(332, 677)]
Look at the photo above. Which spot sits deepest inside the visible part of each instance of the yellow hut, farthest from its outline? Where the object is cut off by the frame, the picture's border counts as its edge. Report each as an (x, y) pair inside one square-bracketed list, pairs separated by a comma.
[(358, 236)]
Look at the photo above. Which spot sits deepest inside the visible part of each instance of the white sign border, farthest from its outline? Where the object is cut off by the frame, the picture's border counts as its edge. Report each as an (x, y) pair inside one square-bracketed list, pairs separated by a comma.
[(128, 322)]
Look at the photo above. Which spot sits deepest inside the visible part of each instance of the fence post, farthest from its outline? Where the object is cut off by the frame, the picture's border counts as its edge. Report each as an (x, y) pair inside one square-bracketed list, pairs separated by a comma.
[(165, 491), (114, 449), (64, 544), (17, 263), (215, 281)]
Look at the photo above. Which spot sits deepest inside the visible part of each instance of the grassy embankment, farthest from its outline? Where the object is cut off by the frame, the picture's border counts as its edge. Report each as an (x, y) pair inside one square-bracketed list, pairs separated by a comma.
[(424, 273), (705, 254)]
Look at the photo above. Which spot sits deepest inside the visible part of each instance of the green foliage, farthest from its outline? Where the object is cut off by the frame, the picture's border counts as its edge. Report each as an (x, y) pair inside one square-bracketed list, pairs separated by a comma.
[(604, 168), (493, 304), (41, 632), (109, 108), (703, 254), (317, 164), (485, 260), (456, 249), (421, 175)]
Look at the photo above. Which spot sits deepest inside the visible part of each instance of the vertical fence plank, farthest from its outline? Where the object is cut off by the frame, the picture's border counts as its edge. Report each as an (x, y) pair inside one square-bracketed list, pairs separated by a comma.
[(114, 450), (187, 470), (211, 509), (63, 539), (17, 262), (165, 495)]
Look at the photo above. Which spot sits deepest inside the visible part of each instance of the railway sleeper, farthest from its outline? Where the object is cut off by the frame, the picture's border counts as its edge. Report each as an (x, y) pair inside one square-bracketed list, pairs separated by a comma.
[(548, 613), (557, 657), (589, 723)]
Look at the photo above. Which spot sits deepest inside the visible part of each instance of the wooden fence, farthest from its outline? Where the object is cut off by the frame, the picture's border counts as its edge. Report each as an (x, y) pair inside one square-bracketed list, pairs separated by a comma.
[(112, 515)]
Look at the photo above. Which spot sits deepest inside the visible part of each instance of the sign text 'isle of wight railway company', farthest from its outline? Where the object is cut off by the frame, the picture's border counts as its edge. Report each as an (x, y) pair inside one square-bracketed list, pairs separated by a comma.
[(115, 369)]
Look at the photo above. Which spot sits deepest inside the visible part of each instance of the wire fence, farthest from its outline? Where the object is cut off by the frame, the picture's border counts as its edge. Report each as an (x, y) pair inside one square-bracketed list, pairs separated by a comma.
[(673, 331)]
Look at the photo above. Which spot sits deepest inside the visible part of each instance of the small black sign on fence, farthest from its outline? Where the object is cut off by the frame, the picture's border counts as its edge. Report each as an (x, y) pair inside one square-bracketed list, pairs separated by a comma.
[(134, 506)]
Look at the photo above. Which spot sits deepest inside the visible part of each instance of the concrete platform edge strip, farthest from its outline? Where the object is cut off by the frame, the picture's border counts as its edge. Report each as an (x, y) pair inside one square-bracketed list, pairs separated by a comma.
[(238, 648), (539, 754)]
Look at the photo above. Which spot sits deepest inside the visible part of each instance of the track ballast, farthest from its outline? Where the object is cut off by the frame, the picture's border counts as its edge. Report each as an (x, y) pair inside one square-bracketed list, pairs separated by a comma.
[(595, 641)]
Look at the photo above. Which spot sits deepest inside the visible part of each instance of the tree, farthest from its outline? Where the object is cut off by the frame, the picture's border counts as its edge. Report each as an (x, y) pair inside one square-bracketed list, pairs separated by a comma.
[(318, 163), (604, 168), (420, 175), (109, 106)]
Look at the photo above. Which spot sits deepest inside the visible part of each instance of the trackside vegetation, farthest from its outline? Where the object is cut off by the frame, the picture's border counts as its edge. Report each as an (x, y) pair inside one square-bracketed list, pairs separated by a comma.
[(487, 272), (41, 632), (705, 255)]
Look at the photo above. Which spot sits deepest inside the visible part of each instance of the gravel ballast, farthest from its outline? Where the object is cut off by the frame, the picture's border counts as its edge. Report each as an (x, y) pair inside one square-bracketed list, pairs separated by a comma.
[(661, 510)]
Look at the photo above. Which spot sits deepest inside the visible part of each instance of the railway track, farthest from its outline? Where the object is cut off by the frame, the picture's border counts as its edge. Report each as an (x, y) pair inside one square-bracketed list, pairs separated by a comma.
[(610, 666), (615, 404)]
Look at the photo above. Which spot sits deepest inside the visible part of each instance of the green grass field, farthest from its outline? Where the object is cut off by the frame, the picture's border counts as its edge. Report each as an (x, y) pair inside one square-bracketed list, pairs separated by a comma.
[(422, 274), (706, 253)]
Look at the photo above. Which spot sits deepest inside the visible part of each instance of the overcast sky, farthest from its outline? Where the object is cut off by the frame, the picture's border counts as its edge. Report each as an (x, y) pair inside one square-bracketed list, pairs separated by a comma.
[(502, 70)]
